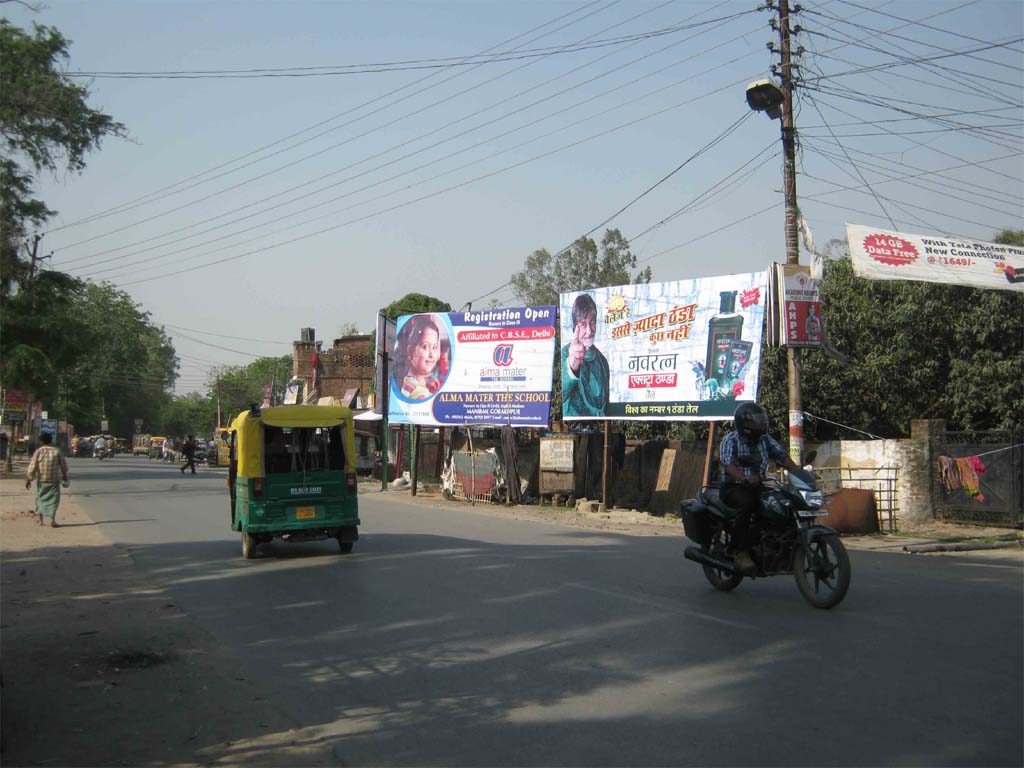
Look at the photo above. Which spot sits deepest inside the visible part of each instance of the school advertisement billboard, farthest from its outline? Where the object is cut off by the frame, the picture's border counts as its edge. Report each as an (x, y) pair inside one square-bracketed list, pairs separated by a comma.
[(880, 254), (477, 367), (685, 350)]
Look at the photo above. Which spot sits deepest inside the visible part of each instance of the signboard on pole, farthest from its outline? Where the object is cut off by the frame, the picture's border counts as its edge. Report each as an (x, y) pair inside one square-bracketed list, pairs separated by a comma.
[(50, 426), (678, 351), (476, 367), (798, 305), (879, 254)]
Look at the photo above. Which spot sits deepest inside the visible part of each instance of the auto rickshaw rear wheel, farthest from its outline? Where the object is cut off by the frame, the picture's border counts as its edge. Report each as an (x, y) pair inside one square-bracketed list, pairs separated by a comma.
[(345, 546), (249, 544)]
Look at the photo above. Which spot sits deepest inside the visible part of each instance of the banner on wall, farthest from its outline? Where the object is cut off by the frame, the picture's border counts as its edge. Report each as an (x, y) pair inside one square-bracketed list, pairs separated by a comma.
[(879, 254), (679, 351), (477, 367)]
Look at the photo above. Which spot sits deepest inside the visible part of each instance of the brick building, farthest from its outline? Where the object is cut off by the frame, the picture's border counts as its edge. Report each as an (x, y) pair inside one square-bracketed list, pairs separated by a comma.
[(345, 371)]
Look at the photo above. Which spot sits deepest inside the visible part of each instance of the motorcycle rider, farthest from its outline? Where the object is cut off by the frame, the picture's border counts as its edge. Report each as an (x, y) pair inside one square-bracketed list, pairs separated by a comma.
[(744, 455)]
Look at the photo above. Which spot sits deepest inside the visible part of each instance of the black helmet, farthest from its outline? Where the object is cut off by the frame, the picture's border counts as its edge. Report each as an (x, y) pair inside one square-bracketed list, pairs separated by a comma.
[(751, 420)]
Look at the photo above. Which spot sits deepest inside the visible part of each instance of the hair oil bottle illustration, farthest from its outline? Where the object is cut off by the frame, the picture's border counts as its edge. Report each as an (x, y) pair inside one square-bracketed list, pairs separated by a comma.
[(723, 329)]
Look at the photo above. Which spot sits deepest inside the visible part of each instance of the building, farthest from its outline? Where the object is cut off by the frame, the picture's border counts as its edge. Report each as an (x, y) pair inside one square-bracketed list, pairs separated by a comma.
[(345, 371)]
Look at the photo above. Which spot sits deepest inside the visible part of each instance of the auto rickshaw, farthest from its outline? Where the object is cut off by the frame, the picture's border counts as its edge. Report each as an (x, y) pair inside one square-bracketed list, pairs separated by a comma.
[(220, 453), (156, 447), (292, 475)]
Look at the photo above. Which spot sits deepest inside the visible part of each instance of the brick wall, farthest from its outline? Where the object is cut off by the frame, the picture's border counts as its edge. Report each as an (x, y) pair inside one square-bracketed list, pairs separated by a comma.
[(347, 365)]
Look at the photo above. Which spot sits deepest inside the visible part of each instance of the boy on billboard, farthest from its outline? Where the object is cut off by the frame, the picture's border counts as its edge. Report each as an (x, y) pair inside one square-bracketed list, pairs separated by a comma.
[(585, 371)]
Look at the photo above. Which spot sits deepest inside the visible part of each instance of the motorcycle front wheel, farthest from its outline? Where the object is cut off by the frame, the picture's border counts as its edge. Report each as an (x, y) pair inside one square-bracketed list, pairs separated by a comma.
[(724, 581), (822, 571)]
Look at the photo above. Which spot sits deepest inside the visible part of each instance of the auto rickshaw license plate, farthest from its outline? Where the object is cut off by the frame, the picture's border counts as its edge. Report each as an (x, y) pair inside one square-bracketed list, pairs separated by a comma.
[(305, 513)]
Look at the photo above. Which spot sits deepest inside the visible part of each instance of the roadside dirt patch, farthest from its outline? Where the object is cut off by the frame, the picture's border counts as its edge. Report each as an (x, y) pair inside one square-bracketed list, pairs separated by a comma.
[(100, 668)]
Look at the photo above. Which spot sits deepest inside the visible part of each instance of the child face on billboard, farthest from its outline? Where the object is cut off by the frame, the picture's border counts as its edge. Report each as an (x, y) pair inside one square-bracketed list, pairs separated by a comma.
[(424, 353)]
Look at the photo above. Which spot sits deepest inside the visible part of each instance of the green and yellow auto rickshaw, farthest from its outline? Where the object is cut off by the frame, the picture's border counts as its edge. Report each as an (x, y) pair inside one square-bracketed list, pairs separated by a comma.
[(292, 475)]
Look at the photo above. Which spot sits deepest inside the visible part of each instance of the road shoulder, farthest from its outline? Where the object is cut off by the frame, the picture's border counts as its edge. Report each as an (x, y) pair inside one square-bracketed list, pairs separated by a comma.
[(101, 668)]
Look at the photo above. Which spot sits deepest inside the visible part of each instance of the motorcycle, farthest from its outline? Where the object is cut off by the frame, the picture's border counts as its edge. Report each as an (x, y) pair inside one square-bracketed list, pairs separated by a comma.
[(101, 453), (788, 540)]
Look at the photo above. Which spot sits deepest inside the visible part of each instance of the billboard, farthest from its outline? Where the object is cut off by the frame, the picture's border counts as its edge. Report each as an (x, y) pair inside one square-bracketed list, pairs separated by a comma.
[(879, 254), (679, 351), (477, 367)]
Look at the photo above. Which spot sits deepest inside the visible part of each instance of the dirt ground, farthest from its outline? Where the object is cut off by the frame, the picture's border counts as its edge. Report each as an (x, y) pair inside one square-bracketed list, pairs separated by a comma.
[(100, 668)]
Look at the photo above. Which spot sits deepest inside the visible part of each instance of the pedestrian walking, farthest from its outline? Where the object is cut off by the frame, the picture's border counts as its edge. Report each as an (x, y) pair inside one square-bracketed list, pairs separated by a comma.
[(188, 448), (49, 469)]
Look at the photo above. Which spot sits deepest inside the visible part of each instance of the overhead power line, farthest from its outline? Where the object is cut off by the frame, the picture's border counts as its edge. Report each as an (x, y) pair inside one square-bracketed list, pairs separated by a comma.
[(359, 69), (429, 76)]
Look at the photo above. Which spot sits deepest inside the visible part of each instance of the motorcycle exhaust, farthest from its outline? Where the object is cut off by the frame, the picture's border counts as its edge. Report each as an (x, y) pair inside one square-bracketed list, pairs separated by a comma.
[(698, 556)]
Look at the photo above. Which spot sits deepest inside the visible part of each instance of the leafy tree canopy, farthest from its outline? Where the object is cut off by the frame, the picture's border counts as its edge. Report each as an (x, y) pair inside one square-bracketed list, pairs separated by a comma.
[(46, 124), (413, 303), (577, 268), (239, 386), (917, 350)]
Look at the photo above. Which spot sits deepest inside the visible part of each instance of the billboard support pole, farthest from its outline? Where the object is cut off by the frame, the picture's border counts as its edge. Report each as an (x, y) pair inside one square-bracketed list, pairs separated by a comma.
[(472, 465), (415, 458), (385, 391), (604, 466), (707, 455)]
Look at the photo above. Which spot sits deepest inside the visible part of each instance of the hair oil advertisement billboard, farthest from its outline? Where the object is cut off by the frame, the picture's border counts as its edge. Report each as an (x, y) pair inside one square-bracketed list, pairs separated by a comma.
[(678, 351)]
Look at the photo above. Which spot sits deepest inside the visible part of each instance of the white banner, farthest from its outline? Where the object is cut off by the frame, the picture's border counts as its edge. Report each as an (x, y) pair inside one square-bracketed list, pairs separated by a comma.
[(879, 254)]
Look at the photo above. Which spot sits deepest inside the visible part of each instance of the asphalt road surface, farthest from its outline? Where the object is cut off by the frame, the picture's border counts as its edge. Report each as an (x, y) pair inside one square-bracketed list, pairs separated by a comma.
[(451, 637)]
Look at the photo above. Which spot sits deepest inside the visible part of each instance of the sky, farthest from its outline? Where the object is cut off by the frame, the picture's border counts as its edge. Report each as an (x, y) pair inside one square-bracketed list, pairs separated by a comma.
[(337, 156)]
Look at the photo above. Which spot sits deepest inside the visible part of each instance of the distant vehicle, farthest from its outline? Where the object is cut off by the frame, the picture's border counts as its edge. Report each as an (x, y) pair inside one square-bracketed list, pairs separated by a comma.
[(121, 445), (220, 454), (140, 445), (156, 447)]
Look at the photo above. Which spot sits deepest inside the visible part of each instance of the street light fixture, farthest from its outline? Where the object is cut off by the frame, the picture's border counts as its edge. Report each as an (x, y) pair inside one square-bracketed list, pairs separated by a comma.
[(765, 96)]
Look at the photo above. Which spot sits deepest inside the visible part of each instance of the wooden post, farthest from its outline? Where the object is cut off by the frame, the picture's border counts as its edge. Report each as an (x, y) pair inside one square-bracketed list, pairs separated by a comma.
[(439, 457), (415, 458), (708, 455), (398, 452), (604, 465), (472, 465)]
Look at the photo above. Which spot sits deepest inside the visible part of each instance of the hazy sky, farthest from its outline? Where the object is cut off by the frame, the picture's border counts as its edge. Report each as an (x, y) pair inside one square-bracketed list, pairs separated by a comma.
[(255, 206)]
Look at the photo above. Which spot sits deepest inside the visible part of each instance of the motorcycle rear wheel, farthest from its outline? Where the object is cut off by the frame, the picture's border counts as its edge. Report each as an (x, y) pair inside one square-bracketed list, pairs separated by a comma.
[(822, 571), (723, 581)]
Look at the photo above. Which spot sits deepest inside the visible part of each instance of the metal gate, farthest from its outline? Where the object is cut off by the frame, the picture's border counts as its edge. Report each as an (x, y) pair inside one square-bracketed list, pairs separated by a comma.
[(999, 496)]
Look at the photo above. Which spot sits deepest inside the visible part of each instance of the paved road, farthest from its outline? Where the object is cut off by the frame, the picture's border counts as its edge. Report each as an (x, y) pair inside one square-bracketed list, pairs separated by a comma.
[(452, 637)]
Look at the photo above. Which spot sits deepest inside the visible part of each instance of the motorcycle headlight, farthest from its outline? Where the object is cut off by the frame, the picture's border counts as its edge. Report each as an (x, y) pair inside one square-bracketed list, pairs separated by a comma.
[(813, 499)]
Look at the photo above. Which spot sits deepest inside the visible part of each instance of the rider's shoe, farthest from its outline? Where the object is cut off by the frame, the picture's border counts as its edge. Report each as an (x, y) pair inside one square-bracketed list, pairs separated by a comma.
[(744, 563)]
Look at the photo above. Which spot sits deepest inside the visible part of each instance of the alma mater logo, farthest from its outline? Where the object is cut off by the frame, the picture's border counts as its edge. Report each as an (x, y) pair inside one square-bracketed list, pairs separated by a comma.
[(889, 249)]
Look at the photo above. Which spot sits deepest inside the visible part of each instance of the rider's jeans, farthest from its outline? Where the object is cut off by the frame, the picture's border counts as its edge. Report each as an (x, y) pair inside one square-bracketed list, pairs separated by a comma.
[(746, 499)]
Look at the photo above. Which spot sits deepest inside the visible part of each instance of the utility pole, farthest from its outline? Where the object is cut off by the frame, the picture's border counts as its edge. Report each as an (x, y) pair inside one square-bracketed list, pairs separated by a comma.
[(796, 414)]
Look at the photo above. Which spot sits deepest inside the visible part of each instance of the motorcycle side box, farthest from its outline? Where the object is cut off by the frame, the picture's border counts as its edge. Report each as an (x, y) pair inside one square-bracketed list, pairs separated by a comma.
[(695, 521)]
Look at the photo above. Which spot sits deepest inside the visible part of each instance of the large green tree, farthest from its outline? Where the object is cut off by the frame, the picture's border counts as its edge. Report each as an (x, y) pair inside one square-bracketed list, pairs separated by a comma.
[(46, 125), (237, 387), (414, 303), (915, 350), (127, 368), (579, 267)]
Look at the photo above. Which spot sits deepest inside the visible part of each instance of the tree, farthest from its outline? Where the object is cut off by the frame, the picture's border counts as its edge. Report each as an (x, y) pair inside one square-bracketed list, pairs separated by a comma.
[(414, 303), (239, 386), (191, 414), (577, 268), (129, 367), (917, 350), (46, 124)]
